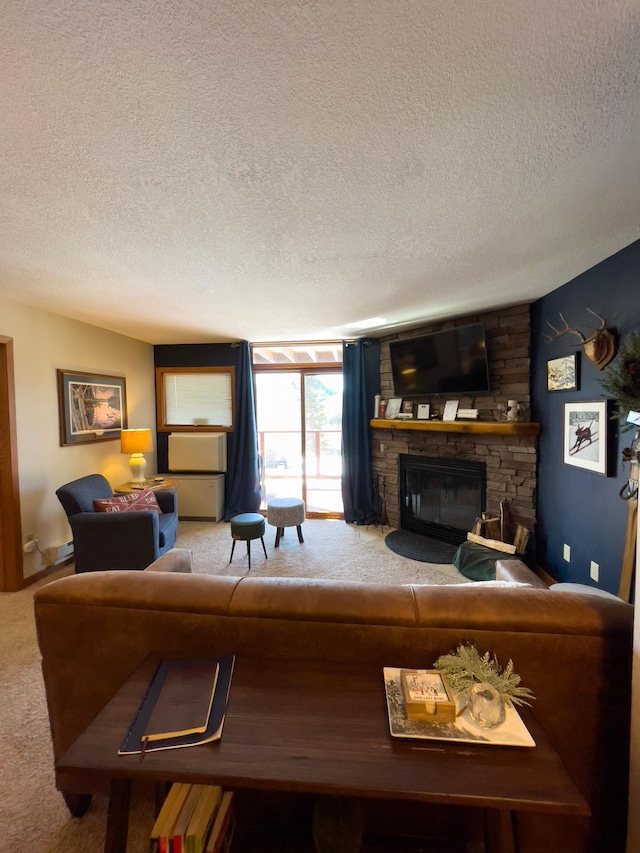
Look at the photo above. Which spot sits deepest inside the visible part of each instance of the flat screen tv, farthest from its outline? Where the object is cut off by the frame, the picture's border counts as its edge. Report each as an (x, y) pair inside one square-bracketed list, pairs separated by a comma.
[(453, 361)]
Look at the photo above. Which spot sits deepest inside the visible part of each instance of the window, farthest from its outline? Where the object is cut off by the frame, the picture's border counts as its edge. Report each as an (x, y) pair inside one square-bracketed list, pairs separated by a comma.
[(195, 396)]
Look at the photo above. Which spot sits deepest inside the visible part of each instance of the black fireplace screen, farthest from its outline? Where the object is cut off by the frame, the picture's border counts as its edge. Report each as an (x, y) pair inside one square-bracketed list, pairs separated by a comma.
[(441, 497)]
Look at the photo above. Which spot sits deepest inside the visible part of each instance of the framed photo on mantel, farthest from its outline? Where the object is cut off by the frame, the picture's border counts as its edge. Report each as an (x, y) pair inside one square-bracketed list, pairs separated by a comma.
[(450, 410), (393, 408)]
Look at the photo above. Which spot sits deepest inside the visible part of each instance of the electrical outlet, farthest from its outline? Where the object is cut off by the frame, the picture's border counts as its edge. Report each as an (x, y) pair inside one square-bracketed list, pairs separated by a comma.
[(29, 543), (594, 571), (566, 553)]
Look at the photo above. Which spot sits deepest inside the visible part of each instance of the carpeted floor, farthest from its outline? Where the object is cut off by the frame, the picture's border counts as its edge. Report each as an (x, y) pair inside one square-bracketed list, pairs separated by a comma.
[(32, 813), (331, 549)]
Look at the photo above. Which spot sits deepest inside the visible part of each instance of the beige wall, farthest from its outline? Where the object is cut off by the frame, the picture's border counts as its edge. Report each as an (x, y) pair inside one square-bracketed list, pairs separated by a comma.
[(44, 342)]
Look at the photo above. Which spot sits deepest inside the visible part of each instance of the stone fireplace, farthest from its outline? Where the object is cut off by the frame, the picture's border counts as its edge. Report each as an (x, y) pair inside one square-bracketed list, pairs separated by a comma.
[(509, 461), (508, 452), (441, 497)]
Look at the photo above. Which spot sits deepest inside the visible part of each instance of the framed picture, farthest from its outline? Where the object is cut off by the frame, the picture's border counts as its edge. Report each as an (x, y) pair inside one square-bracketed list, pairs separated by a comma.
[(424, 410), (450, 410), (585, 439), (91, 407), (393, 408), (562, 373)]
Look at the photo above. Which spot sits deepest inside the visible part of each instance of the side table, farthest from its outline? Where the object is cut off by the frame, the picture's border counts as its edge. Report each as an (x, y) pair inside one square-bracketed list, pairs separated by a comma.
[(154, 485)]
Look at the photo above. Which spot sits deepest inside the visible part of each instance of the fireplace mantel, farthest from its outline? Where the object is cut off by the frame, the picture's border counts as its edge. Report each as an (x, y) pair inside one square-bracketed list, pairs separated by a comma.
[(471, 427)]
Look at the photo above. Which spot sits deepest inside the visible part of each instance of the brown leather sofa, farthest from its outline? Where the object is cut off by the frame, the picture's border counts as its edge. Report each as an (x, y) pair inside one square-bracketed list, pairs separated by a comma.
[(573, 650)]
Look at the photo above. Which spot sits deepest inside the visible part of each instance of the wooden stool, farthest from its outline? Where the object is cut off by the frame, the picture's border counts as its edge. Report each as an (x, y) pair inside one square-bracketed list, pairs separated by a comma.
[(248, 526), (285, 512)]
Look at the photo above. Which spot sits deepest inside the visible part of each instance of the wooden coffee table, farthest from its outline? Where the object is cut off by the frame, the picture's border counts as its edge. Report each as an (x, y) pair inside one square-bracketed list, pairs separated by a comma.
[(316, 728)]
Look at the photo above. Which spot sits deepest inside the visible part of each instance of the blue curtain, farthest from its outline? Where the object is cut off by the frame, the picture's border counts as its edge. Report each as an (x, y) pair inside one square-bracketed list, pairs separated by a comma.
[(361, 382), (243, 480)]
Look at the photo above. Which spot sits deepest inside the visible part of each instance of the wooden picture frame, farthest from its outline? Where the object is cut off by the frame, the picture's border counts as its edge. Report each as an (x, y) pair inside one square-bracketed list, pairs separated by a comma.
[(562, 373), (586, 435), (427, 696), (91, 407)]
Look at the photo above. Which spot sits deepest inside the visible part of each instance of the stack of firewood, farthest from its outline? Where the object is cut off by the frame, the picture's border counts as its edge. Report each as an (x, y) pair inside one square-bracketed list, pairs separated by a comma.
[(496, 532)]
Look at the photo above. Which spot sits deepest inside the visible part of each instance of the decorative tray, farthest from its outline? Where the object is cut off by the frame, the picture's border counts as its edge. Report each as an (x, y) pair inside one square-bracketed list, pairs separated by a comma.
[(512, 732)]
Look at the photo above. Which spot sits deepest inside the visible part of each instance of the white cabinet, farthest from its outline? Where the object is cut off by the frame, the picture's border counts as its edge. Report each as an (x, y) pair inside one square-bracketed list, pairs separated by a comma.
[(200, 496)]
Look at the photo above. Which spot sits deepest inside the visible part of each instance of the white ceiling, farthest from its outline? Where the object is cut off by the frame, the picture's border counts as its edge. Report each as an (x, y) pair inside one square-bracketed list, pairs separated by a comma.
[(209, 170)]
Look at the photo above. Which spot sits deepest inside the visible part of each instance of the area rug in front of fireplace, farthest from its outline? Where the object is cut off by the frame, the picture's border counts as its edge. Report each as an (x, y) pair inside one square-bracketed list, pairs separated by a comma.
[(414, 546)]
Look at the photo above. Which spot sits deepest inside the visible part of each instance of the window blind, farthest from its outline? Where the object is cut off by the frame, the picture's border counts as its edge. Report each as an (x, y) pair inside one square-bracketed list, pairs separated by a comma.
[(198, 398)]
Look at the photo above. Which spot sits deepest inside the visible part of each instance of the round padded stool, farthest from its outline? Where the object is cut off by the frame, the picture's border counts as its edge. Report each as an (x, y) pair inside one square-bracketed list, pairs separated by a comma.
[(248, 526), (285, 512)]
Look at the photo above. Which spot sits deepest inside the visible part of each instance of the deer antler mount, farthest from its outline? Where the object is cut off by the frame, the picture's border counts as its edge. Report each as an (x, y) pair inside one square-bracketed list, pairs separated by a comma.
[(599, 347)]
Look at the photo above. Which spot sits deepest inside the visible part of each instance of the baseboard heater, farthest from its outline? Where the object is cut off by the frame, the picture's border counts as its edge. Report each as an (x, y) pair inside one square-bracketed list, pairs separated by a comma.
[(59, 553)]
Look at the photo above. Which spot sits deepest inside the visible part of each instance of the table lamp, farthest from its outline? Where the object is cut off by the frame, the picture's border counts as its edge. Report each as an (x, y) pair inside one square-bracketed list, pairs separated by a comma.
[(136, 442)]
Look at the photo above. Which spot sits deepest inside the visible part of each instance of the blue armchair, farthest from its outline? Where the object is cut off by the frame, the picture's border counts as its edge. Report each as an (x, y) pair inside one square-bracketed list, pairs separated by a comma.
[(110, 540)]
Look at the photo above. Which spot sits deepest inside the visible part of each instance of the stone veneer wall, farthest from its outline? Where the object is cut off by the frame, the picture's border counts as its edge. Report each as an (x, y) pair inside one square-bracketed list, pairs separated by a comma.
[(511, 460)]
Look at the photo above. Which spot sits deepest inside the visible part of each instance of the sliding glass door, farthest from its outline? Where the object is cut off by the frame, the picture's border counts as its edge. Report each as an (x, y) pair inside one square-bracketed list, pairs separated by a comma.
[(322, 421), (299, 415)]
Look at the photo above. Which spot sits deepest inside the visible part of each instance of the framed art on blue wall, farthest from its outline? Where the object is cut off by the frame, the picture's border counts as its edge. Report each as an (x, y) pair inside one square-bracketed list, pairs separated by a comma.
[(562, 373), (91, 407), (585, 439)]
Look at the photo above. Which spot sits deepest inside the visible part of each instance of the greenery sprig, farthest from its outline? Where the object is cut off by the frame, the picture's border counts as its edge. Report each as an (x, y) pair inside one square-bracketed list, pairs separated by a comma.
[(622, 379), (466, 667)]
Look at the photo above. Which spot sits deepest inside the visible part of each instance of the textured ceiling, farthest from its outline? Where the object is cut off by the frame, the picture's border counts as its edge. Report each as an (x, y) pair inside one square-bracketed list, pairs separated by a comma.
[(206, 170)]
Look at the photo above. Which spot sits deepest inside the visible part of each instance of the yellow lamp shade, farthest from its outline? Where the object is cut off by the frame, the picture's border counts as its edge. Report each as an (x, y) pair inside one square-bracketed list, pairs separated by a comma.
[(135, 440)]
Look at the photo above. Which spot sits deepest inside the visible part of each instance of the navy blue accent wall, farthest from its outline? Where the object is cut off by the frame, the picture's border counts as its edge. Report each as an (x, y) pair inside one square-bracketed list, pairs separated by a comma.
[(574, 506)]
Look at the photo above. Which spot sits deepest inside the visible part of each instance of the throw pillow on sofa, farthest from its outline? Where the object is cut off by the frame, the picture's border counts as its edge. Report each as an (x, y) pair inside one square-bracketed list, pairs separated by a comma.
[(582, 589), (477, 562), (144, 499)]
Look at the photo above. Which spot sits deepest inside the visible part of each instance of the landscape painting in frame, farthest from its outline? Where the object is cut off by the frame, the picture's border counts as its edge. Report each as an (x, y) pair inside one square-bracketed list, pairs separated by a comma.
[(92, 407), (585, 435), (562, 373)]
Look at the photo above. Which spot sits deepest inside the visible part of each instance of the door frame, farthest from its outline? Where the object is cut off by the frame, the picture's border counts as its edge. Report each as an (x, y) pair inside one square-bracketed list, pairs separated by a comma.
[(11, 571)]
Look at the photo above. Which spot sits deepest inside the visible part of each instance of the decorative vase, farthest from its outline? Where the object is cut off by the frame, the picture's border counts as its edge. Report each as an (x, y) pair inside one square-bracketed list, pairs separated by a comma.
[(513, 410), (485, 705)]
